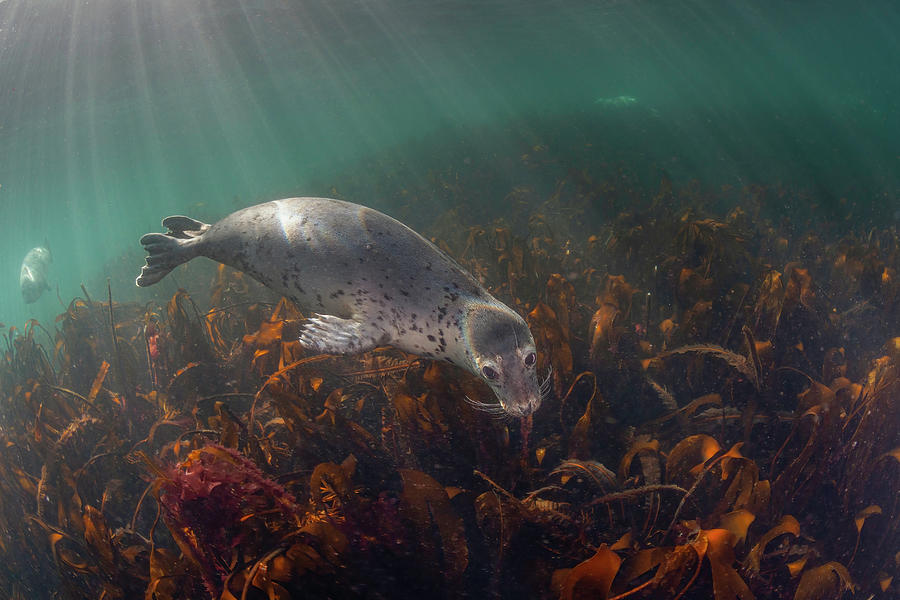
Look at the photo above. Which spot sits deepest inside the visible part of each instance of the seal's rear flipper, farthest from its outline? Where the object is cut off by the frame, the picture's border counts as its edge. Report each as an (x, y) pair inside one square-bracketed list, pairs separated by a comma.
[(333, 335), (168, 250), (182, 227)]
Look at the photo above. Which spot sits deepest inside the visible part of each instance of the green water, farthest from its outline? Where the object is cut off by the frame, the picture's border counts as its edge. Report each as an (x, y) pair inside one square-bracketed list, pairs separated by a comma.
[(116, 113)]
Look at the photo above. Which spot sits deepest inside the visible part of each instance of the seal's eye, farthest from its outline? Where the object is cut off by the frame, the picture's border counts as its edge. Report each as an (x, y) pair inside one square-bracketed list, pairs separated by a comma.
[(530, 359), (490, 372)]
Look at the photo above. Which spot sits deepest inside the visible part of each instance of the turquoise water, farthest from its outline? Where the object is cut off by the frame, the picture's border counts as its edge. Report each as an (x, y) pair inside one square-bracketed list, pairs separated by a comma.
[(653, 119), (115, 113)]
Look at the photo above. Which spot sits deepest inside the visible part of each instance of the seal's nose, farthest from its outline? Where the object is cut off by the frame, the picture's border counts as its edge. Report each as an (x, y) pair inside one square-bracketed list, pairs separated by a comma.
[(534, 403), (523, 408)]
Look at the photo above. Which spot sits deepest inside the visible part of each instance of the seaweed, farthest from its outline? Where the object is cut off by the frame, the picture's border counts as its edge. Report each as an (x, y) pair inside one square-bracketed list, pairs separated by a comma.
[(719, 421)]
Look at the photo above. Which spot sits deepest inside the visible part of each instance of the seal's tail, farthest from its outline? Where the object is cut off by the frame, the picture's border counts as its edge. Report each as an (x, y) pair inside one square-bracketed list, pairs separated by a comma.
[(168, 250)]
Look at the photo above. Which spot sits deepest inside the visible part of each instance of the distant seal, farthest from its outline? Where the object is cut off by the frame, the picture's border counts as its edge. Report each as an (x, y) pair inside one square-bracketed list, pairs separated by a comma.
[(33, 274), (371, 280)]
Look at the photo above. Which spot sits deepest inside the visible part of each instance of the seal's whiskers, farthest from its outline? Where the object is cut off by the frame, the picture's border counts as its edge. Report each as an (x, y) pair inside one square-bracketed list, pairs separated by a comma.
[(488, 407), (546, 386)]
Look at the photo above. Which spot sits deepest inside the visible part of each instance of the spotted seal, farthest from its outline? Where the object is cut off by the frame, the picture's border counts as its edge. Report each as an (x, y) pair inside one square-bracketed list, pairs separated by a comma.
[(371, 280), (33, 274)]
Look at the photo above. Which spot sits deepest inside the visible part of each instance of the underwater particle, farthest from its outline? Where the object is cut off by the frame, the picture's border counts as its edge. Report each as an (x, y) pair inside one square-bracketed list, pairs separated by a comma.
[(616, 101)]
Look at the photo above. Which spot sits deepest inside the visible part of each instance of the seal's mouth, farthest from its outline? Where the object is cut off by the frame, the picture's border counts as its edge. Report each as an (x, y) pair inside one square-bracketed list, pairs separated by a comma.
[(505, 408), (520, 410)]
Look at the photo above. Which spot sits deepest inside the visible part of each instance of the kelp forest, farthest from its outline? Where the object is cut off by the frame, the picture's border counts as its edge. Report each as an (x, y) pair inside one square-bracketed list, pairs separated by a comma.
[(721, 421)]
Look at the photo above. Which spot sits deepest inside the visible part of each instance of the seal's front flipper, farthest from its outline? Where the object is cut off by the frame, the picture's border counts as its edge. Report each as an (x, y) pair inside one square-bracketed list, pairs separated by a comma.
[(333, 335)]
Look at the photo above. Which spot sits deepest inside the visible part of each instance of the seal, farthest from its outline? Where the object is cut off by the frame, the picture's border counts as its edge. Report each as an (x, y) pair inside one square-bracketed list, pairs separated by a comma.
[(371, 280), (33, 274)]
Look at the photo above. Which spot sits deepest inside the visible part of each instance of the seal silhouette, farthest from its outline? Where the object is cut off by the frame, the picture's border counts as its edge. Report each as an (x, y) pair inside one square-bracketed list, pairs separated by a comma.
[(371, 280), (33, 273)]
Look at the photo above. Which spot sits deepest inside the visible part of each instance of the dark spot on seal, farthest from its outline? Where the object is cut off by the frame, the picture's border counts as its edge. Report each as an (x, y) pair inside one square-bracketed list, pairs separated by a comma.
[(431, 338), (404, 292)]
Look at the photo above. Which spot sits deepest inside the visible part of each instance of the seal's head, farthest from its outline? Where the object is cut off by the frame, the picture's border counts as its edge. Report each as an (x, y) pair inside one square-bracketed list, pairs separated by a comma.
[(503, 354)]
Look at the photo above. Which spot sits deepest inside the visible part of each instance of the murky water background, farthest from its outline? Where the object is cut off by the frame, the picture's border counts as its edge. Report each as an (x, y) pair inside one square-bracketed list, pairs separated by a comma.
[(694, 204), (115, 113)]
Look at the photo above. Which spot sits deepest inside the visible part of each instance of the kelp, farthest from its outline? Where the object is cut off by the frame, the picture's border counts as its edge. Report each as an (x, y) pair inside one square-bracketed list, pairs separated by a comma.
[(719, 422)]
